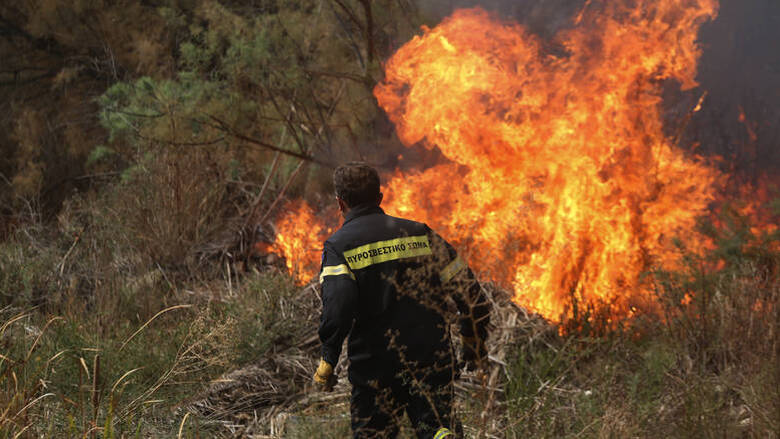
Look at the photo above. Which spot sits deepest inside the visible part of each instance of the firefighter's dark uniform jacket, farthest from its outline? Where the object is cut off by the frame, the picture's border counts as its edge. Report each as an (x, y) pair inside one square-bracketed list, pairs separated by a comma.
[(389, 281)]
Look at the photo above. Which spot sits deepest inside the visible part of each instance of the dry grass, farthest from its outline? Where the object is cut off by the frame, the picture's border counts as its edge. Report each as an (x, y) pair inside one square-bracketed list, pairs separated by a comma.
[(96, 339), (273, 397), (250, 400), (539, 384)]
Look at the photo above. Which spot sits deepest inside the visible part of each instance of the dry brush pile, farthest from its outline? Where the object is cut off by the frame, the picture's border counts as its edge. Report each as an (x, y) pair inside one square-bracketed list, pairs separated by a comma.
[(273, 396)]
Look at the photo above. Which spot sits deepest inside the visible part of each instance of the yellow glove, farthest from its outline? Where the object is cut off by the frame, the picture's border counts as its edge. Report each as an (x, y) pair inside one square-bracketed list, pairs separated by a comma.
[(324, 378)]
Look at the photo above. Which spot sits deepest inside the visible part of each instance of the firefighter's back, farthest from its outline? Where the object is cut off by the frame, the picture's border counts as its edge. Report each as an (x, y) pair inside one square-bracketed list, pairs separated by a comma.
[(398, 318)]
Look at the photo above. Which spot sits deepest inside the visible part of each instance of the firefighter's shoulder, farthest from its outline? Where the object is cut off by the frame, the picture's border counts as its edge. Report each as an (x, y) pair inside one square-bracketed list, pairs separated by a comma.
[(406, 226), (343, 237)]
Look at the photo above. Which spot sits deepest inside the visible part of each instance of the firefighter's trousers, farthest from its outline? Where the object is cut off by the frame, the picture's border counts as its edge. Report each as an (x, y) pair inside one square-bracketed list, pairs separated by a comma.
[(425, 395)]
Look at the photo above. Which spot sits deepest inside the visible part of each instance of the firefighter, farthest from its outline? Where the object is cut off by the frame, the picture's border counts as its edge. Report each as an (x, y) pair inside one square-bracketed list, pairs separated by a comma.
[(393, 285)]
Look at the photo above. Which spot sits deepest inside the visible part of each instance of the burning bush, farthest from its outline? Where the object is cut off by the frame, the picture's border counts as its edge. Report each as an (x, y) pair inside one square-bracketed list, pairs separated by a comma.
[(560, 182)]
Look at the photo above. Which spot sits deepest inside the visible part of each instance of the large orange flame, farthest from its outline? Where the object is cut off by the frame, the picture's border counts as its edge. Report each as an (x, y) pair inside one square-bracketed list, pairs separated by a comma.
[(561, 182)]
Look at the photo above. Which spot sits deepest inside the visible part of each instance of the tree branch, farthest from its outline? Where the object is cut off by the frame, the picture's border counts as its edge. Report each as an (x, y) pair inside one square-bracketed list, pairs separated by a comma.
[(222, 126), (351, 76), (349, 12), (369, 29)]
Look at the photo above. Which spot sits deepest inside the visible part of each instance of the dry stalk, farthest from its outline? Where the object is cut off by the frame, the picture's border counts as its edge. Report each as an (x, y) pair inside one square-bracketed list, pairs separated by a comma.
[(10, 322), (19, 434), (181, 426), (95, 389), (38, 338), (125, 375), (170, 308)]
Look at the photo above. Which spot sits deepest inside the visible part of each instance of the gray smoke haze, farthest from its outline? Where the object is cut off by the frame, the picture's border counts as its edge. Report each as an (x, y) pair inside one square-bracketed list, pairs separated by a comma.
[(739, 68), (543, 17)]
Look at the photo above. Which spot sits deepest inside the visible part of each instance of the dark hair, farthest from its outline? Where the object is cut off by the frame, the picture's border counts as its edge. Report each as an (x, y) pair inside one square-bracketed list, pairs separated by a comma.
[(356, 183)]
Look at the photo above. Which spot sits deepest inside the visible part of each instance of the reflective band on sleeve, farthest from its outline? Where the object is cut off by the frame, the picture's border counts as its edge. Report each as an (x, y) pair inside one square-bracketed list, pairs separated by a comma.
[(390, 250), (452, 269), (442, 433), (335, 270)]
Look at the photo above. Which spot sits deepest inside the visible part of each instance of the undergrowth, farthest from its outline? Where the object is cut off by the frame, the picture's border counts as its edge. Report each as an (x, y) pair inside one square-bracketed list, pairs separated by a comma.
[(98, 339), (76, 365), (707, 367)]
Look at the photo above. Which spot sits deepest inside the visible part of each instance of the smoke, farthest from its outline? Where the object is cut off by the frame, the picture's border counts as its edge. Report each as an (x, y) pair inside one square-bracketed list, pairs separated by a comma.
[(543, 17), (740, 68)]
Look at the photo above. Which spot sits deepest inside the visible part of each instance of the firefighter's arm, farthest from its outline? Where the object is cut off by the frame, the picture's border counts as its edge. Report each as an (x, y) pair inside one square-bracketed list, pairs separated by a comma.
[(339, 300), (473, 307), (474, 318)]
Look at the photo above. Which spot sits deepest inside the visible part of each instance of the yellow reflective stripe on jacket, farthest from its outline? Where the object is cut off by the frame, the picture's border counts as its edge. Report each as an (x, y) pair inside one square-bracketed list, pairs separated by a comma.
[(452, 269), (442, 432), (390, 250), (335, 270)]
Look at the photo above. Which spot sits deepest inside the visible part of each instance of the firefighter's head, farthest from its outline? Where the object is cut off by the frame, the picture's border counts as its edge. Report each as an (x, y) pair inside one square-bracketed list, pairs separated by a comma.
[(356, 183)]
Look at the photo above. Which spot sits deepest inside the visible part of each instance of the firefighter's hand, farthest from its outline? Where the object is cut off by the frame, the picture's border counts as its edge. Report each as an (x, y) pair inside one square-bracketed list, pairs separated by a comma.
[(324, 378), (474, 353)]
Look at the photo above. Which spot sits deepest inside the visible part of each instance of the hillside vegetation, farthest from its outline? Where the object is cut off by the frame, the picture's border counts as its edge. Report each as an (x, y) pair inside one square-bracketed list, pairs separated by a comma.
[(145, 147)]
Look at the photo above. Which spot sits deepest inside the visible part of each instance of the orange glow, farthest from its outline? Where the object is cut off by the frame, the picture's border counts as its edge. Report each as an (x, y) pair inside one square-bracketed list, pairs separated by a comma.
[(752, 206), (560, 183), (299, 238)]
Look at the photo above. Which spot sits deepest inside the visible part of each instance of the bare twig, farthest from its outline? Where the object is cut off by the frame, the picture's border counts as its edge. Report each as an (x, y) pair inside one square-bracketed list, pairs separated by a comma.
[(281, 193), (259, 198), (256, 206), (288, 120)]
